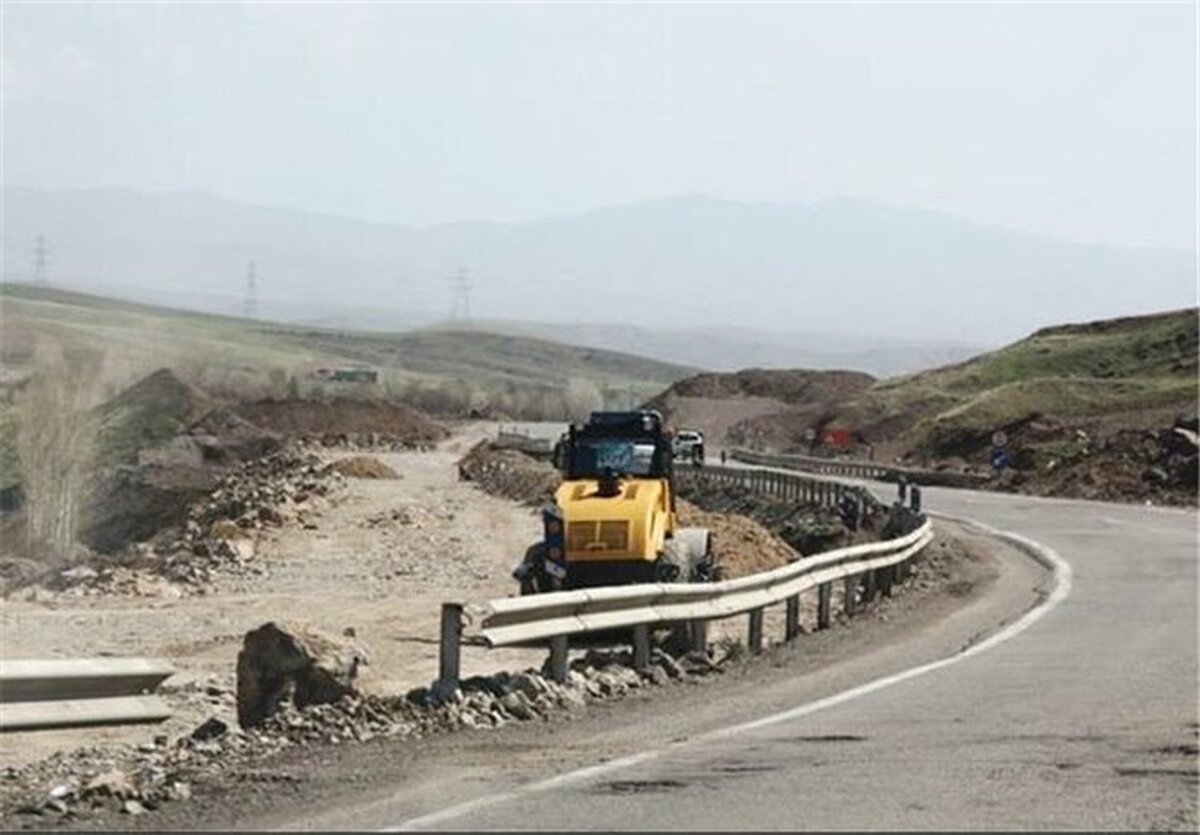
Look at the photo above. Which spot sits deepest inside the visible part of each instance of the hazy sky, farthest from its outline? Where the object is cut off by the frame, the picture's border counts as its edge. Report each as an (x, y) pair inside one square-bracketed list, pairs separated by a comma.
[(1077, 120)]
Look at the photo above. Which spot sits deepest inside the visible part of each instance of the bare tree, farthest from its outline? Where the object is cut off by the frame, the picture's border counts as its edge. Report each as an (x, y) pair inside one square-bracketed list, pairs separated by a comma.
[(56, 440)]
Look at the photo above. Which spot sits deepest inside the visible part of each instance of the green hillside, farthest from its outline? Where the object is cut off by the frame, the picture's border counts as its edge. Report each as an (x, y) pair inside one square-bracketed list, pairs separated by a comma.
[(1072, 372), (460, 354)]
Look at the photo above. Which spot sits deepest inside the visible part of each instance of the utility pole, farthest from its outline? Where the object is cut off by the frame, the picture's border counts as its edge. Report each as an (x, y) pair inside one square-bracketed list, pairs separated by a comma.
[(40, 254), (250, 310), (460, 296)]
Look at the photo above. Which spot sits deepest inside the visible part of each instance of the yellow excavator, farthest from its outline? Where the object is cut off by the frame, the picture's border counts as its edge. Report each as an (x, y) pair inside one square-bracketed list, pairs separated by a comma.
[(613, 518)]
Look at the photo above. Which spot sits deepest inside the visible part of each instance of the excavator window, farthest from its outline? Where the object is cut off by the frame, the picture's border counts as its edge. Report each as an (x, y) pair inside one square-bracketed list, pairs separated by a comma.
[(590, 458)]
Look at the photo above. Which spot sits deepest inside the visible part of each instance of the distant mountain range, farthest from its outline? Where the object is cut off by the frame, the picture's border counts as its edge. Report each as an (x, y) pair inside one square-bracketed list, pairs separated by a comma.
[(706, 282)]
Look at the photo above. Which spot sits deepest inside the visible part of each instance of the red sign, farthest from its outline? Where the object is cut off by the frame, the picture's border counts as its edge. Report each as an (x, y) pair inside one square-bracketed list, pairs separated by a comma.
[(839, 438)]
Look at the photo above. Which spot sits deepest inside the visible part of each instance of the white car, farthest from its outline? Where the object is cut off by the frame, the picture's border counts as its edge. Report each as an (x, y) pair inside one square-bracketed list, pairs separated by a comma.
[(688, 445)]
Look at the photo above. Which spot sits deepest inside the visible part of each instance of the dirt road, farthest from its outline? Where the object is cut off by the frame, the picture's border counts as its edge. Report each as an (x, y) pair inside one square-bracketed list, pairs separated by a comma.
[(382, 558)]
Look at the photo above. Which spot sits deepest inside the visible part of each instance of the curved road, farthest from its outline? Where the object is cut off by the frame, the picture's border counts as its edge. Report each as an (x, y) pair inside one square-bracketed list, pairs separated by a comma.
[(1079, 714)]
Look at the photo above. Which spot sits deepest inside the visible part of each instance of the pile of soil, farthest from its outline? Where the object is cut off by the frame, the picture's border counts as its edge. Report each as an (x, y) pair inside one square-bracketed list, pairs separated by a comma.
[(757, 403), (509, 473), (183, 542), (807, 529), (741, 545), (342, 417), (1158, 466), (150, 412), (363, 466), (787, 385)]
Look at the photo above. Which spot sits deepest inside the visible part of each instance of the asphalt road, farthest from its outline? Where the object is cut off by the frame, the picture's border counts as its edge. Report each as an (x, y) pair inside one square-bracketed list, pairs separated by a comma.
[(1081, 716)]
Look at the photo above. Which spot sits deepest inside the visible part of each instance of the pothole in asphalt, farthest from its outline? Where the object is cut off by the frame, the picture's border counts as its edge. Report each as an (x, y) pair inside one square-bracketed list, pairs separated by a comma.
[(826, 738), (640, 786), (1188, 774), (745, 768)]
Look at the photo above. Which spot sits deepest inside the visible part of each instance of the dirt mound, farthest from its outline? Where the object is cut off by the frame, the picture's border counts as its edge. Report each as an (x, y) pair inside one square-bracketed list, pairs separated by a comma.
[(342, 416), (147, 414), (363, 466), (795, 386), (741, 545), (1159, 466), (181, 523), (807, 529), (509, 473), (718, 404)]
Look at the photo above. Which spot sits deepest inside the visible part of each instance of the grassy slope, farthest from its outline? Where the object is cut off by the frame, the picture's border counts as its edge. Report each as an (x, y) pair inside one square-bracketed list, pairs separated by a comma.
[(449, 353), (1075, 371)]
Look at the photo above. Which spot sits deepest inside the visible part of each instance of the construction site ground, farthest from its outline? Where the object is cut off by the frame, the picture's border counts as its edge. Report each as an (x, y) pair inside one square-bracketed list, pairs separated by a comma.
[(380, 561)]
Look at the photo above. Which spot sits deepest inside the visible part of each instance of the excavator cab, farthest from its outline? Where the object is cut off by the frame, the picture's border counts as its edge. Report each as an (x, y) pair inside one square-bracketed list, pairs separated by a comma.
[(613, 517)]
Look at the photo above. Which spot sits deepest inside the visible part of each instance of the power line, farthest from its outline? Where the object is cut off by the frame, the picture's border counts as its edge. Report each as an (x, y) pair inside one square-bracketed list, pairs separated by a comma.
[(250, 310), (40, 259), (460, 296)]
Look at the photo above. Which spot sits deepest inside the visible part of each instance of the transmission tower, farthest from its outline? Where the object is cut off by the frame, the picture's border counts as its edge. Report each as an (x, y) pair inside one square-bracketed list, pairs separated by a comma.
[(251, 305), (40, 254), (460, 296)]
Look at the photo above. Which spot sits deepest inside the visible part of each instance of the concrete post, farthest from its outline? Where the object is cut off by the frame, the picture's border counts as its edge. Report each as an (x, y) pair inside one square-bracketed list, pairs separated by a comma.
[(558, 659), (824, 604), (756, 631), (792, 628), (641, 647), (449, 656)]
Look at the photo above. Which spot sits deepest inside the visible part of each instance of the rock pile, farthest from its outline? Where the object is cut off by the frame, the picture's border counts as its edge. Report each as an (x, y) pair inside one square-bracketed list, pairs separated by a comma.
[(290, 486), (137, 779), (509, 473)]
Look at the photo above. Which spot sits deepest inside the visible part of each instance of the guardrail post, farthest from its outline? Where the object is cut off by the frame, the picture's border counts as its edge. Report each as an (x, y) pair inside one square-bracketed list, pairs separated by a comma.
[(641, 647), (698, 635), (886, 575), (792, 627), (450, 652), (871, 586), (851, 604), (756, 631), (914, 495), (824, 602), (558, 659)]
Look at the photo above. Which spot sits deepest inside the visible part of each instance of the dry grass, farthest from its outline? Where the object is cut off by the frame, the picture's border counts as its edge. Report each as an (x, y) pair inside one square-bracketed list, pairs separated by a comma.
[(56, 442)]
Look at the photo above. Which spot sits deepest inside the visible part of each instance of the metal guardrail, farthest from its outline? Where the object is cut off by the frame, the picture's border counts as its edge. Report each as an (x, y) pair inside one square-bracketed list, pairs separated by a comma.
[(80, 691), (554, 617), (861, 469), (517, 620), (786, 486)]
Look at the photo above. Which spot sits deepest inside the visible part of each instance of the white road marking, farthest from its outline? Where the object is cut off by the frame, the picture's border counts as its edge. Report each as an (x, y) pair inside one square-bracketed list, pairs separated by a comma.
[(1062, 574)]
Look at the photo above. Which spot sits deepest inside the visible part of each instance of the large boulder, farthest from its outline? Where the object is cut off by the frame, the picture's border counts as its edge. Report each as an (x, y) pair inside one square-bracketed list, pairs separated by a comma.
[(279, 662)]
